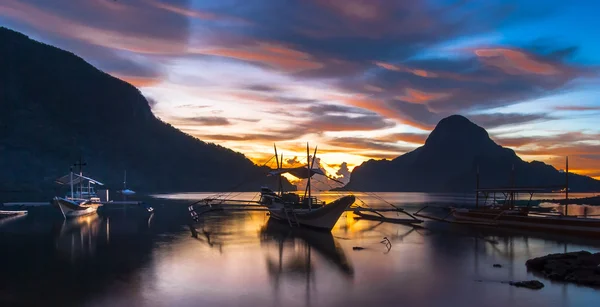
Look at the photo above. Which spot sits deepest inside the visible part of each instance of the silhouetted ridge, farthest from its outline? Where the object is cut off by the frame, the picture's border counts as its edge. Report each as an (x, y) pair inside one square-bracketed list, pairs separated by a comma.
[(448, 161), (56, 107), (457, 130)]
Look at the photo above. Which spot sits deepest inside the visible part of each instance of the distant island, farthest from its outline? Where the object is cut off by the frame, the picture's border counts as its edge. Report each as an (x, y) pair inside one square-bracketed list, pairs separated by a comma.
[(448, 162), (57, 108)]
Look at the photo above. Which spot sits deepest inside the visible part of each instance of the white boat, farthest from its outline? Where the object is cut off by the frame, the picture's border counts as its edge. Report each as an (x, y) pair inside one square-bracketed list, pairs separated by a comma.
[(304, 210), (80, 202), (72, 207)]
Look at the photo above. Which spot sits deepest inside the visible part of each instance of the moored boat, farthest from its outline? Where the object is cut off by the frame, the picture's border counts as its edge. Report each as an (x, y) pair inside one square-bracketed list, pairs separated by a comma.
[(521, 219), (511, 216), (304, 210), (80, 202), (72, 207)]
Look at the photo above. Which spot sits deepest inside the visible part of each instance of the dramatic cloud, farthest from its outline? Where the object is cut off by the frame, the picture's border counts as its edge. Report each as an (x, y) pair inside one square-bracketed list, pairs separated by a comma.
[(346, 123), (361, 77), (121, 25), (343, 173), (489, 121), (583, 150), (366, 144)]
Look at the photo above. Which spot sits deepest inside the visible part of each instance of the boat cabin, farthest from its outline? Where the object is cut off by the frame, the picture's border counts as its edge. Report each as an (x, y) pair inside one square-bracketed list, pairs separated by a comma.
[(81, 187)]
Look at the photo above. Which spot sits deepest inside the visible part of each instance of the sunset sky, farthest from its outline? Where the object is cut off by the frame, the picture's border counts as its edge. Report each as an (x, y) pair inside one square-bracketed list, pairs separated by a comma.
[(360, 79)]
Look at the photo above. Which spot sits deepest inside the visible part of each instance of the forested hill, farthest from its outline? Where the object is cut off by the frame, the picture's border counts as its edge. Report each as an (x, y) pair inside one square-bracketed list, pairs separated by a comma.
[(56, 108)]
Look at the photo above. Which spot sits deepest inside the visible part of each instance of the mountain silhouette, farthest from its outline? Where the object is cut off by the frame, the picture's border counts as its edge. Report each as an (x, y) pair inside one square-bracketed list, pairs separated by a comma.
[(57, 108), (448, 162)]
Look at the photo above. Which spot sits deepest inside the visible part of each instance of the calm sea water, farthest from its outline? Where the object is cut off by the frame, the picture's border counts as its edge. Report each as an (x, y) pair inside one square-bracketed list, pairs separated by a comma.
[(133, 258)]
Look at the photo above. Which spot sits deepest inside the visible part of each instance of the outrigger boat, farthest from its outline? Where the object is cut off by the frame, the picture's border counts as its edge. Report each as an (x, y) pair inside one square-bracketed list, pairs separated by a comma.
[(291, 208), (80, 202), (511, 216), (304, 210)]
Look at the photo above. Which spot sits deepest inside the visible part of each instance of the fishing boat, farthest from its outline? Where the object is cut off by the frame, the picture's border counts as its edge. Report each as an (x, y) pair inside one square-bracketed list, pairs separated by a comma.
[(304, 210), (511, 216), (80, 201)]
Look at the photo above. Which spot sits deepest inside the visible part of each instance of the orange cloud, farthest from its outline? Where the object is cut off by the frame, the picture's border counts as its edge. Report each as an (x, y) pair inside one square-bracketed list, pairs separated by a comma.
[(276, 56), (584, 155), (417, 72), (578, 165), (515, 62), (379, 107), (416, 96), (438, 74)]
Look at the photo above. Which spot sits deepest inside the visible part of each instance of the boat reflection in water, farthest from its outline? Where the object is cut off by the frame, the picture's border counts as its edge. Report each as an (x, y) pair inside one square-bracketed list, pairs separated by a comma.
[(296, 248), (322, 242), (78, 236)]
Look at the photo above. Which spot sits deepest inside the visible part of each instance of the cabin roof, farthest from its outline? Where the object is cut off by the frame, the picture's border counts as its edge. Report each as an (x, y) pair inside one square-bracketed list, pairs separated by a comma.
[(66, 179)]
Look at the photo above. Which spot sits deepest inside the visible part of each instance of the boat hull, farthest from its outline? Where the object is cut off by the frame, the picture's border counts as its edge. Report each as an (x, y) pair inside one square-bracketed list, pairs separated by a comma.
[(323, 218), (557, 224), (69, 208)]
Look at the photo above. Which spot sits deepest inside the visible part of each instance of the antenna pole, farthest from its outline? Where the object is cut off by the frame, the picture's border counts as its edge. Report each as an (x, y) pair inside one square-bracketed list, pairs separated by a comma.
[(71, 174), (567, 187)]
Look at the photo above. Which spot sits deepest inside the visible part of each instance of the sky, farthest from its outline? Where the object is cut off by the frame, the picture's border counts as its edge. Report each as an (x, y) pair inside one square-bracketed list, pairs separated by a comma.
[(362, 79)]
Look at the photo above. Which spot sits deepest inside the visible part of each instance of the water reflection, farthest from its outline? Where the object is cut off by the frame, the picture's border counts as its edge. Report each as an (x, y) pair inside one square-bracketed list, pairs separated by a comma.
[(10, 219), (42, 254), (297, 239), (77, 237), (246, 259)]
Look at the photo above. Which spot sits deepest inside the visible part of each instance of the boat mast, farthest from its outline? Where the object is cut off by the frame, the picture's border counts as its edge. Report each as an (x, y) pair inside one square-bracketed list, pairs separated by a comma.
[(80, 164), (307, 191), (567, 187), (71, 181), (280, 184), (125, 181)]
